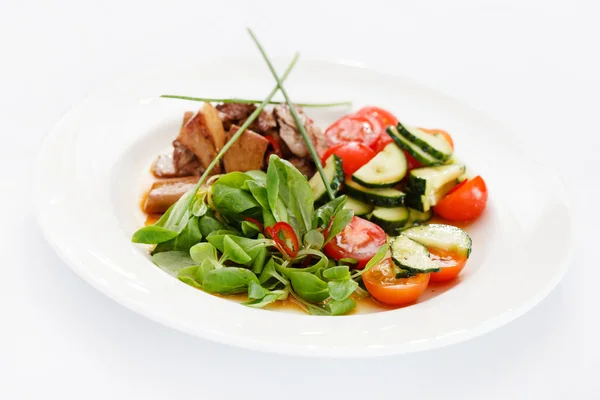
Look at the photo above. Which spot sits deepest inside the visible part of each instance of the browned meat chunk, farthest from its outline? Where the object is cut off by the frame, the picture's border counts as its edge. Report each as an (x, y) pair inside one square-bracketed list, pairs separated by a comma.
[(166, 192), (170, 165), (234, 113), (264, 123), (247, 153), (304, 165), (291, 135), (204, 136)]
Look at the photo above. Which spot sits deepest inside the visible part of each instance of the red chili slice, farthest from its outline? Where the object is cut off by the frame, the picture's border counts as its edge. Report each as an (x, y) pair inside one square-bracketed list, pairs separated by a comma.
[(285, 238), (255, 222)]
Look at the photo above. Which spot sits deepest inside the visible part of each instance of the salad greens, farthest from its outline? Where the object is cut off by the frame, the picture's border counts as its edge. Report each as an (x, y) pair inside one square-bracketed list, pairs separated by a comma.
[(223, 248)]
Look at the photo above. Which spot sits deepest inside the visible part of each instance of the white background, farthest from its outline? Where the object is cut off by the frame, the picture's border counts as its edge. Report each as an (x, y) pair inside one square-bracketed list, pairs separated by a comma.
[(531, 64)]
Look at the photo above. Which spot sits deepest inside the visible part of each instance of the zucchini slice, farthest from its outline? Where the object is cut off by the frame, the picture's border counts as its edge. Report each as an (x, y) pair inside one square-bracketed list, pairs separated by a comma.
[(412, 256), (412, 149), (360, 209), (390, 219), (416, 217), (440, 236), (334, 172), (386, 197), (429, 180), (433, 145), (386, 169), (424, 202)]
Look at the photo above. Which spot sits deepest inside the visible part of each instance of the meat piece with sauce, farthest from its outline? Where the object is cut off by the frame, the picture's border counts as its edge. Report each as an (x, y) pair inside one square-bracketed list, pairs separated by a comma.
[(234, 113), (247, 153), (180, 161), (291, 135), (166, 192)]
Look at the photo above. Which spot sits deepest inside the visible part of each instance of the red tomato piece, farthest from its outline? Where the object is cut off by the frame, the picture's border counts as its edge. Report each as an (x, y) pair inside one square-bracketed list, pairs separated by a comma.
[(360, 239), (354, 155), (382, 284), (384, 117), (352, 128), (451, 264), (465, 203)]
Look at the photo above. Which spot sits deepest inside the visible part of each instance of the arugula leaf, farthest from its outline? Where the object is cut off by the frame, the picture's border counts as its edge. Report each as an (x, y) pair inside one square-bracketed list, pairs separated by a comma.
[(233, 252), (273, 190), (259, 261), (268, 218), (229, 280), (255, 291), (295, 192), (340, 220), (173, 261), (177, 216), (340, 290), (260, 194), (202, 251), (199, 207), (309, 287), (323, 215), (188, 237), (269, 271), (153, 235), (188, 275), (250, 246), (204, 268), (337, 273), (342, 307), (379, 255), (258, 176), (232, 201), (313, 239), (250, 229)]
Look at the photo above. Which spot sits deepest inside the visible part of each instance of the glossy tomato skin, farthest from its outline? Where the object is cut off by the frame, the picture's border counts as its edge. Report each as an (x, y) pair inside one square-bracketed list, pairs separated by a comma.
[(465, 203), (354, 155), (450, 262), (351, 128), (382, 284), (384, 117), (360, 239)]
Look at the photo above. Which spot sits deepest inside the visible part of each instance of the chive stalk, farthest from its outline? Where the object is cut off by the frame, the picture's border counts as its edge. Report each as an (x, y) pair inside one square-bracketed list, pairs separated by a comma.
[(300, 126), (250, 101)]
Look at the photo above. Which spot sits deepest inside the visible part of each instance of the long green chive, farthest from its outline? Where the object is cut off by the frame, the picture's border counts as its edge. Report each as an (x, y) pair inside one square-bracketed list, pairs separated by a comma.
[(300, 126), (248, 101)]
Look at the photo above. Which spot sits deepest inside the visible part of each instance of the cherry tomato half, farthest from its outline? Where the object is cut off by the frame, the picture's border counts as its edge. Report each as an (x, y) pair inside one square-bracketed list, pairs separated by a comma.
[(451, 264), (382, 284), (354, 155), (360, 239), (465, 203), (352, 128), (384, 117)]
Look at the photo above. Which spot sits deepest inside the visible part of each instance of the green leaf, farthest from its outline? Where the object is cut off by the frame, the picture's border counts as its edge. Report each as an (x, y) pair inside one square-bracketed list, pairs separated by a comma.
[(251, 246), (273, 190), (340, 307), (268, 218), (202, 251), (314, 239), (309, 287), (188, 275), (351, 262), (378, 257), (250, 229), (173, 261), (199, 206), (209, 224), (188, 237), (341, 219), (337, 273), (204, 268), (255, 291), (270, 271), (229, 280), (294, 191), (177, 216), (234, 179), (232, 201), (340, 290), (153, 235), (258, 176), (323, 215), (233, 252), (259, 261), (259, 192)]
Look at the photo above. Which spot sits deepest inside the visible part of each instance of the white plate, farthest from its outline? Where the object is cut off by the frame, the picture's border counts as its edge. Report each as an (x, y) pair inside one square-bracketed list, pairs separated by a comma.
[(91, 171)]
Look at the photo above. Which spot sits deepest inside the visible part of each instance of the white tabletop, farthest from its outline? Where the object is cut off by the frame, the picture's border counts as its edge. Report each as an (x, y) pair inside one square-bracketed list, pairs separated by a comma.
[(532, 64)]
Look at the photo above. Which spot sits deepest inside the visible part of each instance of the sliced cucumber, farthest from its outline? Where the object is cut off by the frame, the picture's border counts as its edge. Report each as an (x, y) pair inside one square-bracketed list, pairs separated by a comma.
[(412, 256), (360, 208), (390, 219), (416, 217), (428, 180), (412, 149), (424, 202), (439, 236), (386, 169), (433, 145), (386, 197), (334, 172)]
